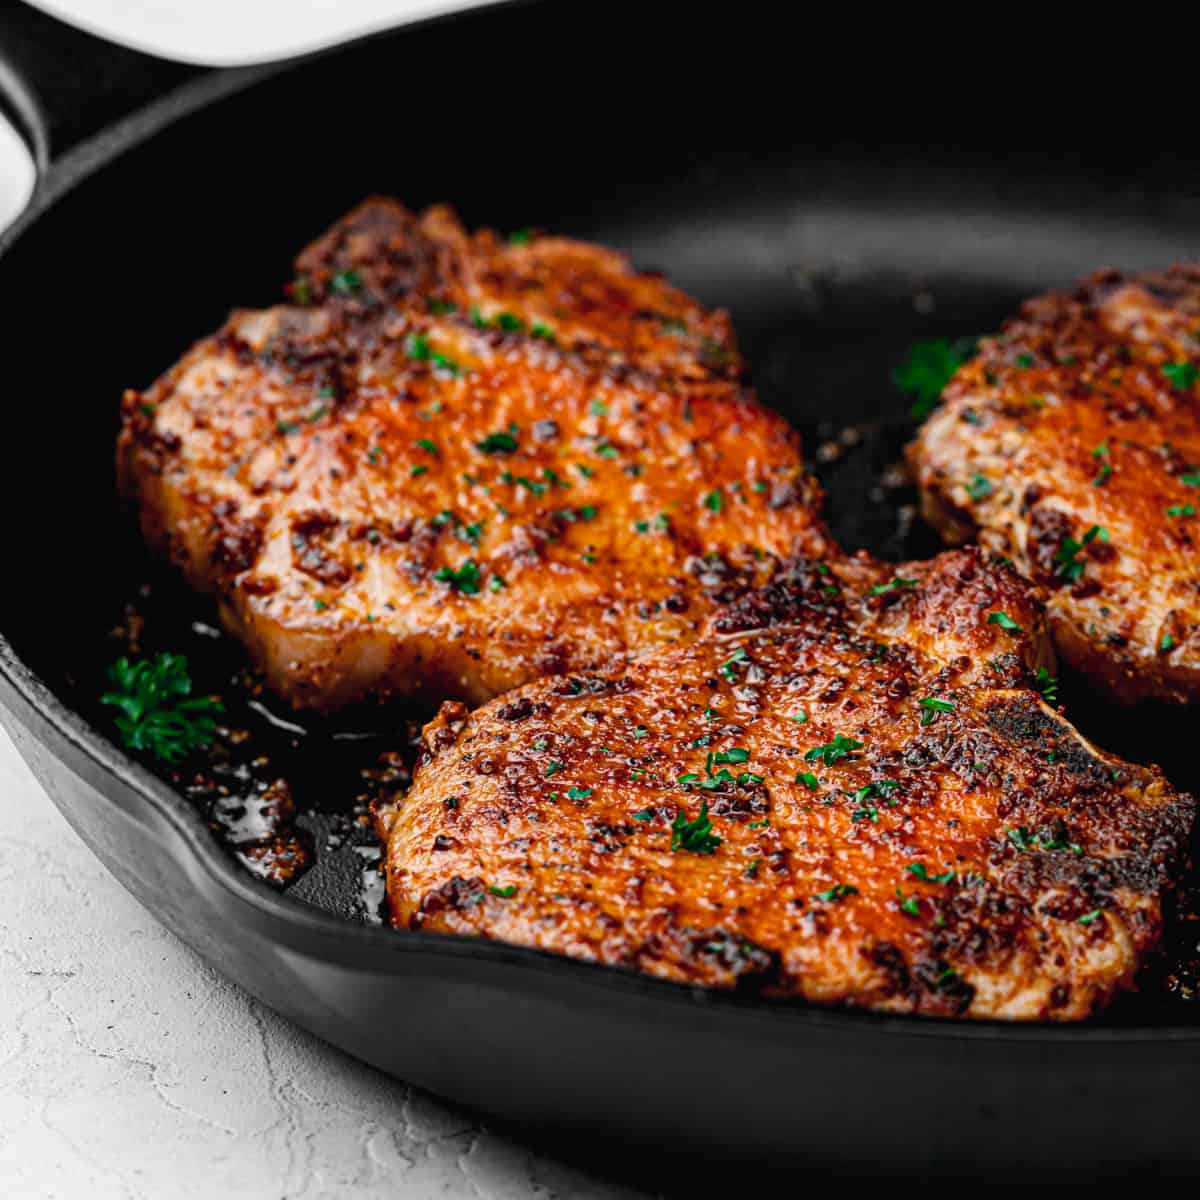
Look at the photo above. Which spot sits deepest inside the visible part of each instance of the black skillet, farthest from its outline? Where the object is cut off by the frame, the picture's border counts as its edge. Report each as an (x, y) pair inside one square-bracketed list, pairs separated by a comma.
[(895, 189)]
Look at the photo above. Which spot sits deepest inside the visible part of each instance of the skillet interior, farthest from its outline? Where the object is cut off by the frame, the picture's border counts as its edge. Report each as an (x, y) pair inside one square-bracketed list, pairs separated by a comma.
[(829, 254)]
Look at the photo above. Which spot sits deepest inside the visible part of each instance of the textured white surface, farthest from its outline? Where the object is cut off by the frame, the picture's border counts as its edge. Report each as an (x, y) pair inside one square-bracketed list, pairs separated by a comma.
[(130, 1070)]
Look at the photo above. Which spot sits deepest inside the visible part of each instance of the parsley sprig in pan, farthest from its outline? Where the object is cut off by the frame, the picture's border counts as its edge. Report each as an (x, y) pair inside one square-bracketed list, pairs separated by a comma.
[(927, 370), (158, 712)]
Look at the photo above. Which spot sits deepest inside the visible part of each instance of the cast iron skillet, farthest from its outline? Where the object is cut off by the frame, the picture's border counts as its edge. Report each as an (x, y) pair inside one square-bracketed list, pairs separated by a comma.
[(830, 239)]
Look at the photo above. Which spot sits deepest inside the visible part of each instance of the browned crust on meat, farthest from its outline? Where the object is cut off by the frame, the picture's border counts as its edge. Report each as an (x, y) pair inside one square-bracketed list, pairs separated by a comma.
[(1065, 423), (597, 305), (463, 463), (1001, 866)]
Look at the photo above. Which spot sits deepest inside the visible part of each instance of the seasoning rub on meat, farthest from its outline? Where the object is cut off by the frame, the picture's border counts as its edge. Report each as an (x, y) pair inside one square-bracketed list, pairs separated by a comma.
[(456, 463), (848, 790), (1071, 444)]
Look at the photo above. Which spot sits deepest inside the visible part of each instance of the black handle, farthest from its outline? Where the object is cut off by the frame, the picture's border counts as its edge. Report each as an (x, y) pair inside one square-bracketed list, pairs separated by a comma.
[(60, 86)]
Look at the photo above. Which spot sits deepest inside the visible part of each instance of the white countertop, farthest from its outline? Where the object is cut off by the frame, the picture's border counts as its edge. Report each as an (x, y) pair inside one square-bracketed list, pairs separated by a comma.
[(128, 1069)]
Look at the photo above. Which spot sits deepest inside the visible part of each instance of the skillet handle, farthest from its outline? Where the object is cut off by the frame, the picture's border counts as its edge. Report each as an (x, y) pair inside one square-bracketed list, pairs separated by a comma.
[(59, 85)]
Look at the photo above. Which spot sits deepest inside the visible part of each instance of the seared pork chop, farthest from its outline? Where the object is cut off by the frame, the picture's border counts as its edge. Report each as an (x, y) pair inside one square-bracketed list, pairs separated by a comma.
[(584, 297), (1071, 444), (846, 791), (463, 464)]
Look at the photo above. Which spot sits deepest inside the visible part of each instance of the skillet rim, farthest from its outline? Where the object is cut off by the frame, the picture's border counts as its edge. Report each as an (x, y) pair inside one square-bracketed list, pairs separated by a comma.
[(387, 947)]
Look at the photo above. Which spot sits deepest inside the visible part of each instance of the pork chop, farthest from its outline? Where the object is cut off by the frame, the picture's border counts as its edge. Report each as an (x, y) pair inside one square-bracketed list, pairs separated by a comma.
[(1071, 444), (848, 790), (401, 487)]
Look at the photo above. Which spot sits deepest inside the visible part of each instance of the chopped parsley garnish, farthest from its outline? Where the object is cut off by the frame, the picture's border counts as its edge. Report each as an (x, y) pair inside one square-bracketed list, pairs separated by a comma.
[(931, 706), (1181, 510), (735, 755), (928, 368), (660, 524), (420, 469), (1068, 565), (647, 814), (465, 579), (530, 485), (980, 487), (158, 712), (507, 321), (1191, 479), (505, 893), (696, 836), (948, 980), (553, 768), (1005, 622), (498, 443), (1023, 360), (714, 780), (1047, 684), (839, 891), (1101, 452), (800, 717), (497, 583), (1181, 375), (809, 780), (920, 871), (1094, 915), (735, 659), (1167, 643), (1028, 842), (834, 751), (578, 793), (345, 283), (605, 449), (893, 586), (713, 500), (418, 348), (1021, 838), (522, 237), (428, 446), (908, 904)]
